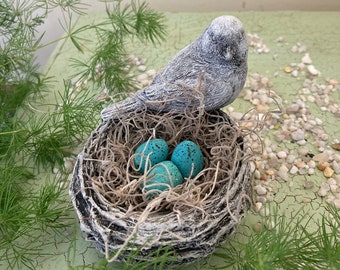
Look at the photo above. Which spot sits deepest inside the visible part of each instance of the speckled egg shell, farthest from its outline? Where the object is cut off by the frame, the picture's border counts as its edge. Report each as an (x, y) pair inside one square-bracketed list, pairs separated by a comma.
[(162, 176), (188, 157), (150, 153)]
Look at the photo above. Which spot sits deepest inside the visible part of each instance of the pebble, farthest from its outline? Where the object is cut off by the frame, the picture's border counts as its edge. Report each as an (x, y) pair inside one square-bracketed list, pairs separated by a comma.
[(306, 59), (337, 179), (142, 77), (336, 146), (293, 108), (313, 71), (151, 72), (331, 181), (256, 42), (310, 171), (300, 164), (311, 164), (260, 190), (324, 188), (261, 199), (290, 159), (281, 154), (336, 203), (303, 151), (321, 157), (298, 135), (322, 166), (301, 142), (294, 170), (328, 172), (258, 206), (283, 172), (324, 136), (145, 83), (334, 188), (257, 174), (288, 69), (273, 162), (336, 166), (311, 98), (141, 68), (295, 73)]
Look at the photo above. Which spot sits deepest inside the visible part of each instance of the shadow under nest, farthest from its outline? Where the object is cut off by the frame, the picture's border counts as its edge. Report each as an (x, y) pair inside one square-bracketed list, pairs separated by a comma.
[(192, 218)]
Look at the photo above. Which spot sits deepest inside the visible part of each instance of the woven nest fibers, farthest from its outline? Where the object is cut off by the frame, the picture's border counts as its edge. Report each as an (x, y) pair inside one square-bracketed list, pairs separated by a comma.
[(190, 219)]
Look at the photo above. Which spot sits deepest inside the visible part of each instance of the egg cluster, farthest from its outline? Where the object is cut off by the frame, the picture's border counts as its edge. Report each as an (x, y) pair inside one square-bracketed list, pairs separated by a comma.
[(151, 157)]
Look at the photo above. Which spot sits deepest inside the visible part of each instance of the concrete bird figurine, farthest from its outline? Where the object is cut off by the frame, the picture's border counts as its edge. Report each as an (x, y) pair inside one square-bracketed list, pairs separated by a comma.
[(209, 72)]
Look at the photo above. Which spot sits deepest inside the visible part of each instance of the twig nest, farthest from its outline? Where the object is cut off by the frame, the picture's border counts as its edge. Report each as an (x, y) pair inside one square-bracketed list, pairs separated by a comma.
[(191, 218)]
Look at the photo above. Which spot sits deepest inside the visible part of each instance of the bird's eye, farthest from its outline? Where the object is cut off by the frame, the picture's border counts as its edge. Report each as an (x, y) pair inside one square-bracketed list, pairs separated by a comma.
[(227, 53), (213, 38)]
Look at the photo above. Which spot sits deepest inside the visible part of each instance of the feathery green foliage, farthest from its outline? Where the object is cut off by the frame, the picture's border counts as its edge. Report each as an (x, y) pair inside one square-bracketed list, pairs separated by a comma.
[(33, 141), (122, 23), (283, 243)]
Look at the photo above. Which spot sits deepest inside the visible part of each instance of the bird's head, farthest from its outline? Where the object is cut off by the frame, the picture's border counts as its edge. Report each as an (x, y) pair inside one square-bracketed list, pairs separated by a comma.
[(225, 41)]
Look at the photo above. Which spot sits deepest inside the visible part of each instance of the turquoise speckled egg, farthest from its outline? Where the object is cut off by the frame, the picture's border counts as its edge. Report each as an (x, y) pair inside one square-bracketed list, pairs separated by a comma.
[(188, 157), (162, 176), (150, 153)]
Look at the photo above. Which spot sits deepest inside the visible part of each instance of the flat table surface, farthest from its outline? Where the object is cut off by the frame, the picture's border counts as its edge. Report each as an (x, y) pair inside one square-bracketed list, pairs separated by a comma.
[(318, 31)]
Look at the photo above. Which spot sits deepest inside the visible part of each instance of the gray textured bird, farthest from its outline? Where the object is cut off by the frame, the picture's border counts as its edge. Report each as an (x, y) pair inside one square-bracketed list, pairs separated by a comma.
[(209, 72)]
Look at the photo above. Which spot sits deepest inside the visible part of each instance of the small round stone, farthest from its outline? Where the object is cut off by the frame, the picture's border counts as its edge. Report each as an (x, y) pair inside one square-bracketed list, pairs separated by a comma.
[(295, 73), (258, 206), (303, 151), (312, 70), (283, 172), (328, 172), (306, 59), (290, 158), (321, 157), (260, 190), (324, 136), (151, 72), (310, 171), (141, 68), (288, 69), (298, 135), (322, 165), (311, 164), (294, 170), (281, 154), (142, 77), (324, 188)]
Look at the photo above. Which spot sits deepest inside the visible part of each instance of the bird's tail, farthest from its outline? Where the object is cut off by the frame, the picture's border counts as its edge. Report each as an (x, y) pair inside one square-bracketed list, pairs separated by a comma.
[(116, 110)]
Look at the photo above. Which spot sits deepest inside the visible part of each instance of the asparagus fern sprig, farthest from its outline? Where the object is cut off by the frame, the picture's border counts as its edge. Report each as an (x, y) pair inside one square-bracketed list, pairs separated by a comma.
[(33, 141)]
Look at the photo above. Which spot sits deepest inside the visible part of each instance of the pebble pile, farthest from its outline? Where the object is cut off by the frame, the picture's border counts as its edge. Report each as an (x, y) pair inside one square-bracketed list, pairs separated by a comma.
[(256, 42), (290, 140)]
